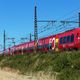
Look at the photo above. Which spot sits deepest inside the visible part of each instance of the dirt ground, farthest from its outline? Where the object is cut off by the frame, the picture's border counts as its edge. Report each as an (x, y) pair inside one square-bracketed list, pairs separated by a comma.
[(9, 75)]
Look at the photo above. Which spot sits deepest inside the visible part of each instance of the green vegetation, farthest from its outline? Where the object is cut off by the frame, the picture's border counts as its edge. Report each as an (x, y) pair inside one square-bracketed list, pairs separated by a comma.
[(65, 64)]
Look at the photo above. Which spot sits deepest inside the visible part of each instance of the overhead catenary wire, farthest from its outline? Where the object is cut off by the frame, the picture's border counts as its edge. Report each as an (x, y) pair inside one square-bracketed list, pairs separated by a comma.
[(57, 27)]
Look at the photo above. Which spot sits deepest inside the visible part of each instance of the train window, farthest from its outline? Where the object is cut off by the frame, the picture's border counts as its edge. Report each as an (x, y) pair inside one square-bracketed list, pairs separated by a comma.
[(77, 35), (72, 38), (64, 39), (61, 40), (50, 46), (68, 39)]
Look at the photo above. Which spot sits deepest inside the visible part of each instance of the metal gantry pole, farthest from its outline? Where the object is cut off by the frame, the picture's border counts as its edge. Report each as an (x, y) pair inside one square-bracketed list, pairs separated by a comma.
[(30, 37), (4, 41), (35, 26), (79, 19)]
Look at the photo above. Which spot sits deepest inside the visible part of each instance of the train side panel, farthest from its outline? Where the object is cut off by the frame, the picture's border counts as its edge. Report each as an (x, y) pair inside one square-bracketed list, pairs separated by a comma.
[(69, 40), (46, 44)]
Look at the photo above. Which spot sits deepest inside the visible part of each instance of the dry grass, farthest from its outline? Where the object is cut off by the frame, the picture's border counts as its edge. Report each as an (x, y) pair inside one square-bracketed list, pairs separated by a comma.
[(43, 66)]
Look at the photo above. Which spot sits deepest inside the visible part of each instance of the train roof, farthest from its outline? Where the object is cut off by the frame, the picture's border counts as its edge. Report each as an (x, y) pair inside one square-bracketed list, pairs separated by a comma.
[(52, 35), (61, 33), (69, 31)]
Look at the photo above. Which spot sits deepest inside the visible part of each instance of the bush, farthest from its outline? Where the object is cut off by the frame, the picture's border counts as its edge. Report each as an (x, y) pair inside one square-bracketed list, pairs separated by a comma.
[(69, 74), (65, 64)]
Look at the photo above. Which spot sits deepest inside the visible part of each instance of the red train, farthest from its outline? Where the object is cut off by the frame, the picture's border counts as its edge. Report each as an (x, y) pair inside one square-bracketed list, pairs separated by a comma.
[(63, 41)]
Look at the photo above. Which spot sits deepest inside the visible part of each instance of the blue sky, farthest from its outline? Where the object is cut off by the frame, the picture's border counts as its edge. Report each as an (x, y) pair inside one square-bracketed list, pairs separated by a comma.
[(17, 16)]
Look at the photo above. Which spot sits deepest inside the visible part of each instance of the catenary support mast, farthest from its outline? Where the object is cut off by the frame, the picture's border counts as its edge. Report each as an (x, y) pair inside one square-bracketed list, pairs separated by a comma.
[(35, 26), (4, 40), (79, 19)]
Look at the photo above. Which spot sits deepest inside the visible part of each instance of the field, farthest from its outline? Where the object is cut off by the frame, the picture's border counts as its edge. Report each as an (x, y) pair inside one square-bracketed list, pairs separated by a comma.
[(49, 66)]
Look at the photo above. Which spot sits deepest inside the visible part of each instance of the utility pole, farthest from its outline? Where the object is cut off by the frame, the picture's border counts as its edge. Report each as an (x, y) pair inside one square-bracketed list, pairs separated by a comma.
[(35, 27), (79, 19), (4, 40), (30, 37)]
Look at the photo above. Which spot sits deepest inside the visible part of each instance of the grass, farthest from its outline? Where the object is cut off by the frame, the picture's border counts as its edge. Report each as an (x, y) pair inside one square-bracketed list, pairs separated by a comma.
[(65, 64)]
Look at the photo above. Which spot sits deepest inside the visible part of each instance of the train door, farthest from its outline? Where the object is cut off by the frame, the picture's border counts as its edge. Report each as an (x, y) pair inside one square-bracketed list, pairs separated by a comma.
[(52, 43), (56, 44)]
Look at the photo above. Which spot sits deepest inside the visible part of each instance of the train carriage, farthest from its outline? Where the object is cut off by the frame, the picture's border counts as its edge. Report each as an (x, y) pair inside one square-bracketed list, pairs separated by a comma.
[(64, 41), (69, 39)]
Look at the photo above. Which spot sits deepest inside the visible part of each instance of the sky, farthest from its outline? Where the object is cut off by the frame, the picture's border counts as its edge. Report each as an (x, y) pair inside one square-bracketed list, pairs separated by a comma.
[(17, 16)]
